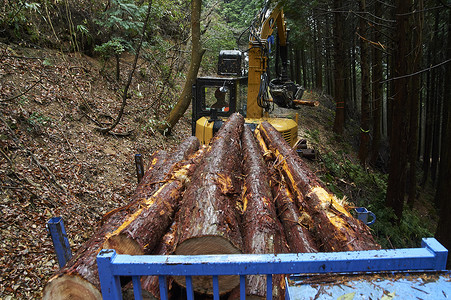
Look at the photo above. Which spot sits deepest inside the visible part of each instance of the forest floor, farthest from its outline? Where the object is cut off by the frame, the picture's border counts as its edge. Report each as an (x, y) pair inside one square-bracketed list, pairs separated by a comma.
[(54, 162)]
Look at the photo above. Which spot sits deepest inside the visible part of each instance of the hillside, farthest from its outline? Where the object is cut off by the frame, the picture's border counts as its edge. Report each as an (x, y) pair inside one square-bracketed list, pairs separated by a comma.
[(53, 161)]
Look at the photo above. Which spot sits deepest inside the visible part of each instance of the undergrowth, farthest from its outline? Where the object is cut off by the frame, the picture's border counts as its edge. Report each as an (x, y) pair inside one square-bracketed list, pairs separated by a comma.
[(346, 177)]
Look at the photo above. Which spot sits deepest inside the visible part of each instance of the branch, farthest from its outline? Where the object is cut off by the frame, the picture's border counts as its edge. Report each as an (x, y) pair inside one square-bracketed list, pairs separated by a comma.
[(419, 72), (23, 93)]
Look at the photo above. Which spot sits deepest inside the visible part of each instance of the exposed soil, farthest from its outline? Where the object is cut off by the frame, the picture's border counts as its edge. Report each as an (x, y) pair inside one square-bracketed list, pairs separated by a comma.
[(53, 161)]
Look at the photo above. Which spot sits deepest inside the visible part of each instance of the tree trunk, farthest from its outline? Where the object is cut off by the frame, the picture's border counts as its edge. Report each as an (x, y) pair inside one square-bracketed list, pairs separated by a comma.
[(196, 57), (443, 233), (79, 278), (335, 229), (339, 70), (436, 113), (208, 219), (377, 90), (399, 133), (262, 231), (297, 67), (318, 53), (304, 67), (141, 232), (365, 85), (414, 96)]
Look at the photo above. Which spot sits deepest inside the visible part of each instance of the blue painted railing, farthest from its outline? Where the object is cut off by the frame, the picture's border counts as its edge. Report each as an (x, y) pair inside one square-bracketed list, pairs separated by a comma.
[(431, 257), (60, 241)]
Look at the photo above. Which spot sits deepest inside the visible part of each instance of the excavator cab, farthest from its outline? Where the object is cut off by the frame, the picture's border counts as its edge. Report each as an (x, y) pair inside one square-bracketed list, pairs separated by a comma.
[(214, 100)]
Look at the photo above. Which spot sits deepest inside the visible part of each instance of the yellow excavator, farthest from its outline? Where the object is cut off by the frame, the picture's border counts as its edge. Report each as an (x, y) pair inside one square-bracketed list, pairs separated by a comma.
[(249, 90)]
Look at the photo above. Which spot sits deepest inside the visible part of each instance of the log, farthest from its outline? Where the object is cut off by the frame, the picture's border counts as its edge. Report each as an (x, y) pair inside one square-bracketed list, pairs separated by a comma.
[(335, 228), (208, 219), (313, 103), (142, 230), (154, 180), (79, 279), (149, 284), (262, 231), (296, 226)]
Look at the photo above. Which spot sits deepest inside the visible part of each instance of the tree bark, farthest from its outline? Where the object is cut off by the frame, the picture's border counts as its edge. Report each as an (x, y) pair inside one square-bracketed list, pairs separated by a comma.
[(443, 233), (295, 225), (377, 90), (79, 278), (335, 228), (399, 133), (208, 219), (149, 284), (414, 95), (365, 89), (196, 57), (339, 70), (262, 231)]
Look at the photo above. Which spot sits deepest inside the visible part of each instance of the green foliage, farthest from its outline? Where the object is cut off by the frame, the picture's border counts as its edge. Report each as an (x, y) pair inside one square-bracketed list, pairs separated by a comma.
[(240, 14), (121, 23), (122, 18), (313, 135), (36, 120), (112, 47)]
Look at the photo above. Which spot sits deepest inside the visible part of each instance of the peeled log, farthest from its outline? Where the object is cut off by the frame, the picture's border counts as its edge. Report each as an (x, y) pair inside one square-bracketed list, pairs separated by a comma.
[(79, 279), (208, 218), (262, 231), (298, 237), (142, 230), (154, 180), (294, 223), (335, 228)]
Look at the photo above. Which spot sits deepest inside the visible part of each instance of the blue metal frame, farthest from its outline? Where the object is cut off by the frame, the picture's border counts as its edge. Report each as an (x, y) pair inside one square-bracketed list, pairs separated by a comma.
[(60, 241), (431, 257)]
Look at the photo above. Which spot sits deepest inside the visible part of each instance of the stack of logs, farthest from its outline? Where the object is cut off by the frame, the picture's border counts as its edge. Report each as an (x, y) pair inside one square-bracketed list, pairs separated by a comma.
[(244, 193)]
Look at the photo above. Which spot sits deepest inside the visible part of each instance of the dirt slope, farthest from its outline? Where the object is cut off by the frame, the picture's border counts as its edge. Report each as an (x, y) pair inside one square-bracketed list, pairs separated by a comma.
[(53, 162)]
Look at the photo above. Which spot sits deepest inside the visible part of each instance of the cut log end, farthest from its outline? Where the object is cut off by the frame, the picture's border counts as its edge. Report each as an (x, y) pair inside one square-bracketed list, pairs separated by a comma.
[(208, 245), (123, 245), (70, 287)]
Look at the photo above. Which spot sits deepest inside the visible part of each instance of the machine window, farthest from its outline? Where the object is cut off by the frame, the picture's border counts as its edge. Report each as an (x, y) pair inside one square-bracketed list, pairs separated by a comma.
[(217, 97)]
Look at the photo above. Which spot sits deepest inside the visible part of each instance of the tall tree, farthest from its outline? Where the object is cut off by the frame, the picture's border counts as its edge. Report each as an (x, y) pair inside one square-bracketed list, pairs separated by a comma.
[(377, 88), (399, 133), (414, 100), (196, 57), (339, 69), (365, 88), (443, 187), (430, 97)]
